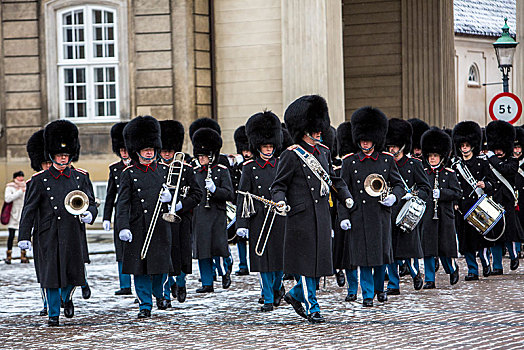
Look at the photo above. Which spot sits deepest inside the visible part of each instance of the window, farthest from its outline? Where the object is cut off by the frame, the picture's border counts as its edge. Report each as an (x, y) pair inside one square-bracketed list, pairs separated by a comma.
[(100, 189), (87, 48), (473, 76)]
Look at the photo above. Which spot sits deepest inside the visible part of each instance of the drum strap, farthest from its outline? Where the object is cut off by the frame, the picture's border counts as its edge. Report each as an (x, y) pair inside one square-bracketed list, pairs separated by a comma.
[(505, 182), (316, 168), (466, 174), (521, 172)]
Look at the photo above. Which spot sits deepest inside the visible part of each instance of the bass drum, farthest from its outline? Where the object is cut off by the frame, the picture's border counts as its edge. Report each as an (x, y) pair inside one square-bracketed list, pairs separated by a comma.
[(488, 218), (410, 214)]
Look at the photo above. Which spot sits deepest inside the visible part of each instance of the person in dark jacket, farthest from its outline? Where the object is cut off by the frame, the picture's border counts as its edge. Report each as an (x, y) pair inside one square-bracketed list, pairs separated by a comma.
[(438, 224), (304, 179), (209, 216), (265, 137), (60, 247), (501, 139), (113, 184), (406, 244), (519, 181), (189, 194), (142, 194)]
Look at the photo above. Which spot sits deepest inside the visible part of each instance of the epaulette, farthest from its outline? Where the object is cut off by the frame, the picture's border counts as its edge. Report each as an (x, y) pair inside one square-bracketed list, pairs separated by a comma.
[(321, 144), (387, 153), (222, 166), (127, 167), (413, 158), (114, 163), (83, 171), (449, 169), (347, 155), (248, 161), (40, 172), (292, 147)]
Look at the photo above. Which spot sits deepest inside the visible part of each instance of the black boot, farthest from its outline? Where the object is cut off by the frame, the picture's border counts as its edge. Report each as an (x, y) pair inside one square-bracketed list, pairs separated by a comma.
[(418, 282), (316, 317), (351, 297), (341, 279), (403, 270), (86, 292), (471, 277), (161, 303), (429, 285), (69, 309), (205, 289), (454, 277), (382, 296), (242, 272), (514, 264), (486, 271), (297, 305), (181, 295), (174, 290), (277, 297), (124, 291), (261, 300), (53, 321), (392, 291), (367, 302), (43, 312), (497, 272), (226, 280), (144, 313), (266, 307)]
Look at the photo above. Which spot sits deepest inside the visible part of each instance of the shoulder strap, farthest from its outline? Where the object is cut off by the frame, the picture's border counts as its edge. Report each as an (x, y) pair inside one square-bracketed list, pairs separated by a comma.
[(316, 168), (504, 181)]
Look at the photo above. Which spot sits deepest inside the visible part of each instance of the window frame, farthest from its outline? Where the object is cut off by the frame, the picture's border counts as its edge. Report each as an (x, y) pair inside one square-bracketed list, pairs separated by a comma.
[(474, 83), (103, 184)]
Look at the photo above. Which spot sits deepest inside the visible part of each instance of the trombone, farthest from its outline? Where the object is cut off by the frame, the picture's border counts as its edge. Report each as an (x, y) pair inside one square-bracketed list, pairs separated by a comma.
[(172, 216)]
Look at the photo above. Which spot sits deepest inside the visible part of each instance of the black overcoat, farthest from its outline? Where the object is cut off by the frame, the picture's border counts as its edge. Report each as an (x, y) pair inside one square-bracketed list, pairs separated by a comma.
[(338, 234), (519, 185), (140, 187), (307, 241), (60, 248), (439, 236), (257, 177), (209, 224), (113, 184), (368, 243)]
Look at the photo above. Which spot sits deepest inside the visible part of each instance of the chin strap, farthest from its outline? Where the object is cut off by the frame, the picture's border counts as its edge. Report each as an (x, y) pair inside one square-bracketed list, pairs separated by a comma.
[(60, 164), (366, 149), (126, 161), (400, 150), (267, 155), (314, 139), (145, 158), (166, 160)]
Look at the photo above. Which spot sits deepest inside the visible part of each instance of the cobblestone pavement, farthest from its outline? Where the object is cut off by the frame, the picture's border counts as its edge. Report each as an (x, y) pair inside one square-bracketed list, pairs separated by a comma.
[(483, 314)]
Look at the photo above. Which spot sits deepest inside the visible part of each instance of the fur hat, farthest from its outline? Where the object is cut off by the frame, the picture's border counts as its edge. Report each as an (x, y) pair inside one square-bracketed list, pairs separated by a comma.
[(369, 124), (501, 135), (470, 132), (435, 140), (206, 141), (241, 141), (306, 114), (287, 140), (204, 123), (419, 127), (519, 136), (399, 134), (61, 136), (264, 128), (117, 137), (35, 150), (345, 143), (142, 132), (329, 139), (172, 135)]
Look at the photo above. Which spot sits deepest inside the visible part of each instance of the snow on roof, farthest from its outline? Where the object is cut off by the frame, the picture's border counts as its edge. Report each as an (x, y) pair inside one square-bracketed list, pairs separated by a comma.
[(484, 17)]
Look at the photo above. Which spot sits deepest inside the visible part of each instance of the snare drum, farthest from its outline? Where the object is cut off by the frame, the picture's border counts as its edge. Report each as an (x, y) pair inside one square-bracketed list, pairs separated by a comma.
[(410, 214), (485, 215)]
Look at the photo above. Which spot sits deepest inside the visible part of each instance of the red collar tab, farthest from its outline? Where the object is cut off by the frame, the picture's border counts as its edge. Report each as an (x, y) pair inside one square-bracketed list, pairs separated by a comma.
[(362, 156), (204, 167), (147, 167), (309, 148), (57, 173), (436, 170), (402, 161), (267, 162)]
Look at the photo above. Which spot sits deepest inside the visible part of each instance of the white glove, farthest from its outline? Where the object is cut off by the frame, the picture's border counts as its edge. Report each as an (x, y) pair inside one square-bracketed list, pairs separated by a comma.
[(436, 193), (407, 196), (349, 203), (86, 217), (178, 206), (165, 196), (281, 206), (243, 232), (490, 154), (345, 224), (389, 200), (239, 159), (125, 235), (24, 245), (106, 225), (210, 185)]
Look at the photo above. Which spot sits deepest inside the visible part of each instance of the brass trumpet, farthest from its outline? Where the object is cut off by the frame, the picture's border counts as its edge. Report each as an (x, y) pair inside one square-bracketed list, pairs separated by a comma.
[(76, 203), (376, 186)]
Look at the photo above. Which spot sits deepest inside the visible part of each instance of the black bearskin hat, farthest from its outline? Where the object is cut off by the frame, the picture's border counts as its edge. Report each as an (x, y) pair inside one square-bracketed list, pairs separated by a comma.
[(204, 123), (519, 136), (241, 141), (305, 115), (287, 140), (369, 124), (419, 127), (436, 140), (206, 141), (142, 132), (501, 135), (470, 132), (172, 135), (399, 134), (345, 143), (35, 150), (329, 139), (61, 136), (117, 137), (262, 129)]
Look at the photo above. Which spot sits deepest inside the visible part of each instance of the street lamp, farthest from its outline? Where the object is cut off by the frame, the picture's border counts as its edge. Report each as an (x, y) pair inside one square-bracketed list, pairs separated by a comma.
[(505, 49)]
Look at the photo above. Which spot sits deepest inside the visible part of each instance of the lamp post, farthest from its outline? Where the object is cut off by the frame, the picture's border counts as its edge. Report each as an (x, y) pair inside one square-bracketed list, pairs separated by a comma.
[(505, 49)]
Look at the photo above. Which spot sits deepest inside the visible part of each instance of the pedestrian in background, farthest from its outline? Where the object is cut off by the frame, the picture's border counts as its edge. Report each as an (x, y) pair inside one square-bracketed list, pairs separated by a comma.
[(14, 193)]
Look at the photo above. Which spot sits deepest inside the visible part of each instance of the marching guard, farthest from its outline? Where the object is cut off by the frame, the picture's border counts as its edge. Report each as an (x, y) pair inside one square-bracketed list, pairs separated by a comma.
[(519, 181)]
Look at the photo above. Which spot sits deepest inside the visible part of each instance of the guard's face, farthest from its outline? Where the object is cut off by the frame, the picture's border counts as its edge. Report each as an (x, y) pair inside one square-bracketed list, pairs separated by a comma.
[(45, 165), (316, 135), (417, 151), (434, 159), (247, 154), (393, 149), (517, 151), (123, 153), (365, 144), (267, 150), (465, 148), (499, 153), (203, 159), (167, 154)]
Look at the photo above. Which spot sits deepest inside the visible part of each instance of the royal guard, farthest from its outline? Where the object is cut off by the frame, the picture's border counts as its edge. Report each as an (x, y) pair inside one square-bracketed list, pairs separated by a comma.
[(519, 180), (143, 198), (303, 181), (419, 127), (438, 224), (406, 243), (60, 247)]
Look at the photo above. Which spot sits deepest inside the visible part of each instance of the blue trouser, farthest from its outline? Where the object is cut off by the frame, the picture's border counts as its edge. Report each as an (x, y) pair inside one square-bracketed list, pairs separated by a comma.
[(181, 279), (148, 285), (306, 286), (471, 260), (513, 249), (222, 265), (394, 278), (124, 279), (372, 280), (44, 299), (485, 257), (242, 254), (448, 264), (352, 277), (271, 283), (55, 295), (167, 287)]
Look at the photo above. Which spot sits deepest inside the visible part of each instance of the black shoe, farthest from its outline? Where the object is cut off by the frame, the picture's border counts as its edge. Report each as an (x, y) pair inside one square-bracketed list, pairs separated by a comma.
[(454, 277), (168, 304), (53, 321), (288, 277), (382, 296), (386, 277), (144, 313), (403, 270), (514, 264), (86, 292), (205, 289), (429, 285), (351, 297), (136, 301), (391, 291), (242, 272), (226, 281), (261, 300), (437, 264), (316, 317), (418, 282), (341, 279), (496, 272), (181, 295), (123, 291), (486, 271), (297, 305), (266, 308), (161, 303), (69, 309), (174, 290), (367, 302), (277, 297), (43, 312), (471, 277)]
